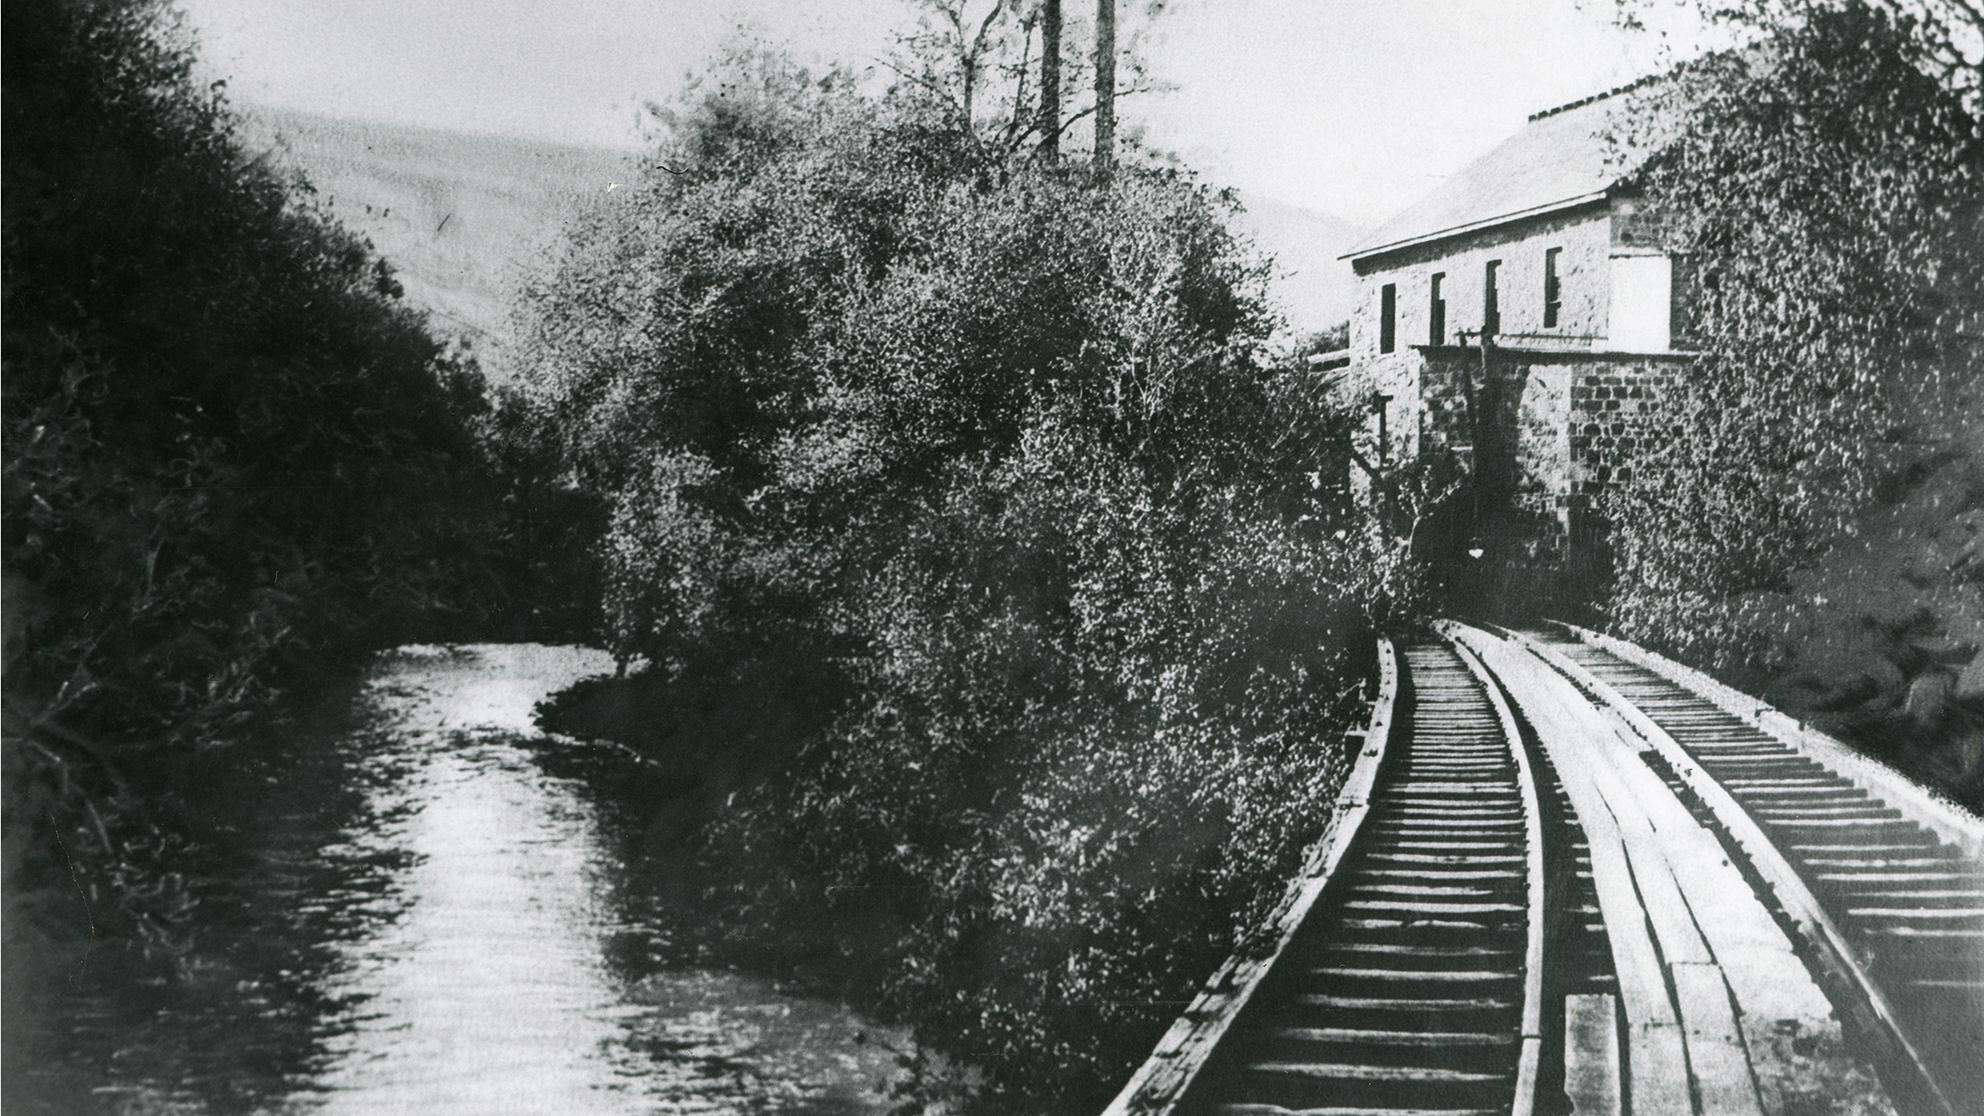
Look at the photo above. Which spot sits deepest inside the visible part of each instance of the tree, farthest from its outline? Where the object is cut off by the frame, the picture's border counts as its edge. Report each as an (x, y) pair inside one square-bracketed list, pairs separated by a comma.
[(977, 474), (973, 60), (1944, 38), (1050, 80), (1105, 86), (1827, 185)]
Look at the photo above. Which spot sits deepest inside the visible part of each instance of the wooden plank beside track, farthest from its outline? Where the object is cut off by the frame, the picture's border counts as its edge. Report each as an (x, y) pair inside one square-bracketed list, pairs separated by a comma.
[(1654, 1045), (1594, 1080), (1732, 981), (1530, 1063), (1853, 993)]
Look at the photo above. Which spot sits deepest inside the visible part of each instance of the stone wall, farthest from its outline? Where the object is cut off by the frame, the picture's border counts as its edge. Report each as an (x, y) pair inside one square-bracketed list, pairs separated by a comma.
[(1563, 410), (1586, 238), (1559, 428), (1615, 413)]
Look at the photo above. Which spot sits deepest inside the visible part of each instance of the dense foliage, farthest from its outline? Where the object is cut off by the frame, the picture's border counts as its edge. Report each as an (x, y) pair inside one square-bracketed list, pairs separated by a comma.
[(233, 459), (1813, 522), (966, 486)]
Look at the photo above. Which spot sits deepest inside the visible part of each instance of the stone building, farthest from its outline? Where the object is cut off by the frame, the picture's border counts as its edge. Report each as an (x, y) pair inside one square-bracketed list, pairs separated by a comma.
[(1519, 322)]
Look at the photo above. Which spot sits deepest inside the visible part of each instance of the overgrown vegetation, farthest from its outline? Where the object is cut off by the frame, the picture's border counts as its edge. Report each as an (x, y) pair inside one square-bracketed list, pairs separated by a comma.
[(1813, 524), (958, 492), (234, 461)]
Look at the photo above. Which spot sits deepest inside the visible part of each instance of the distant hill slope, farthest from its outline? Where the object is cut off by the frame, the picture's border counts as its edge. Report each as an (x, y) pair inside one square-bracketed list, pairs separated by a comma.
[(1315, 286), (458, 215)]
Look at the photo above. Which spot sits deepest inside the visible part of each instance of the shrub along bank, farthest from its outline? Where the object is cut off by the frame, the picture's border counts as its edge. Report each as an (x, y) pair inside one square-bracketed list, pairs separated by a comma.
[(996, 579)]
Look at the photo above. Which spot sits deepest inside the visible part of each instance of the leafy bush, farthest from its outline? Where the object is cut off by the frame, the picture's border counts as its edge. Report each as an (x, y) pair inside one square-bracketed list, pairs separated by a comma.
[(996, 452), (1089, 735), (1828, 187)]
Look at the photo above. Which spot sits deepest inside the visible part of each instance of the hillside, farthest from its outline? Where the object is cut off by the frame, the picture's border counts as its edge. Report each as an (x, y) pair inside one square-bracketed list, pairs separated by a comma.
[(1315, 287), (458, 215)]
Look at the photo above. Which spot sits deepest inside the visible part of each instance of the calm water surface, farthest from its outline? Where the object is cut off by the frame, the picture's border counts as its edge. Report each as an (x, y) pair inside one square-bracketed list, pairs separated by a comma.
[(440, 910)]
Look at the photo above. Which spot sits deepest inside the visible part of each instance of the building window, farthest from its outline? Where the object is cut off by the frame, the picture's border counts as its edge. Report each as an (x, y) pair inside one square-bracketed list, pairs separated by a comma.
[(1388, 318), (1491, 299), (1688, 280), (1553, 291), (1436, 311)]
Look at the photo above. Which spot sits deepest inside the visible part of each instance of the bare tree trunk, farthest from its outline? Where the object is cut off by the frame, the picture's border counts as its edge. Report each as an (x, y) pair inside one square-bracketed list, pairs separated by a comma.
[(1105, 86), (1050, 80)]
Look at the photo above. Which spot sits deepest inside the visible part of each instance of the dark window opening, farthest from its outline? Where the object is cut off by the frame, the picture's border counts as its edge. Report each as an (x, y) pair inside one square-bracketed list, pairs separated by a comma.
[(1681, 301), (1491, 299), (1436, 312), (1388, 318), (1553, 291)]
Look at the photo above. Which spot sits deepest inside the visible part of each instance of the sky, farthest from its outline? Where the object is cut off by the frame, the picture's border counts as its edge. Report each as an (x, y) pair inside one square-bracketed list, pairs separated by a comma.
[(1353, 108)]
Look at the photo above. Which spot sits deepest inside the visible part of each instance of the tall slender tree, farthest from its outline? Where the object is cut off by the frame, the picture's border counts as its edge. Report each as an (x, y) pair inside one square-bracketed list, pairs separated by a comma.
[(1105, 86), (1050, 80)]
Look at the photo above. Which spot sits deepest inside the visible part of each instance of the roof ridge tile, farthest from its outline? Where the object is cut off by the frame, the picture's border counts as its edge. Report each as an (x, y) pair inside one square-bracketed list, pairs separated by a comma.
[(1592, 98)]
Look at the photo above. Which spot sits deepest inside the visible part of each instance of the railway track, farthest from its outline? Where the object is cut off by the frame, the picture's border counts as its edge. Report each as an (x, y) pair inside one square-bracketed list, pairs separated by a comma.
[(1409, 987), (1413, 980), (1761, 886), (1896, 874)]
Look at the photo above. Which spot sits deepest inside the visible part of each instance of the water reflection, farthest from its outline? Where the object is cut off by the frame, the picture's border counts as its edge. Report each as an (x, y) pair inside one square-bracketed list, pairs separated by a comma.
[(434, 922)]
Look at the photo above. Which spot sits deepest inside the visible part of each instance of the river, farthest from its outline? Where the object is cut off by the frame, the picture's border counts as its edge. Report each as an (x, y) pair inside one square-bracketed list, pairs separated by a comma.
[(440, 909)]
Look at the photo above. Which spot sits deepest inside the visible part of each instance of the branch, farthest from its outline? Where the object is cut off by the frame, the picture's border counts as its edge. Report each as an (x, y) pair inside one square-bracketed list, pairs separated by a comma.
[(1021, 109), (918, 79), (984, 26), (1127, 91)]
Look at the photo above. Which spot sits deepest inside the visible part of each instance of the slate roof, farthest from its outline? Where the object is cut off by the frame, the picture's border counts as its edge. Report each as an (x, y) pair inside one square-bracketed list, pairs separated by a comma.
[(1562, 157)]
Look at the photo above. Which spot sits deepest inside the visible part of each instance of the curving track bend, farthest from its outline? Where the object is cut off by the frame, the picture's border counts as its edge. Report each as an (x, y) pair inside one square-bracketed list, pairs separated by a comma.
[(1448, 951)]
